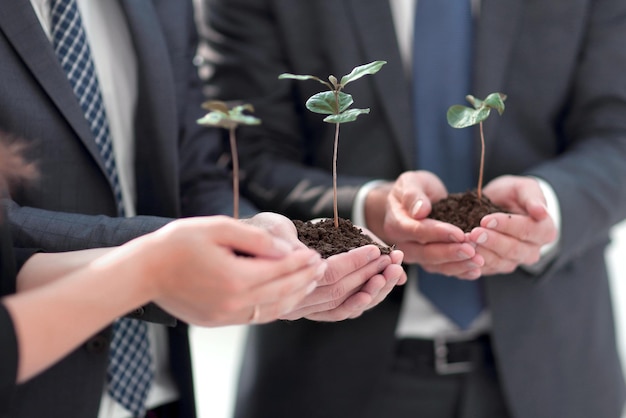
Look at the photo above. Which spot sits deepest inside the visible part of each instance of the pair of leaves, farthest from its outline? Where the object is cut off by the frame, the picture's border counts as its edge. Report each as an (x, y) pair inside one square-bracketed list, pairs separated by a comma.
[(462, 116), (335, 102), (222, 117)]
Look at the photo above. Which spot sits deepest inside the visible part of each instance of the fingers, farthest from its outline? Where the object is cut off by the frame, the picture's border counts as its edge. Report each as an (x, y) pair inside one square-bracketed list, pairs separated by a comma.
[(437, 253), (425, 231), (345, 263), (245, 238), (506, 241), (329, 297), (263, 270), (283, 294), (278, 226), (522, 228)]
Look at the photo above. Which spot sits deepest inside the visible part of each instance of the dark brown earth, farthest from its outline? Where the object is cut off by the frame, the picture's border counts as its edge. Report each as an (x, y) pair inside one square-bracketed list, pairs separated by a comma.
[(323, 237), (463, 209)]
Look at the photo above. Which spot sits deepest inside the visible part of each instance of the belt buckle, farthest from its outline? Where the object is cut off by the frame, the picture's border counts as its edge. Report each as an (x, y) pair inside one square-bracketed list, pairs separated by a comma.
[(442, 366)]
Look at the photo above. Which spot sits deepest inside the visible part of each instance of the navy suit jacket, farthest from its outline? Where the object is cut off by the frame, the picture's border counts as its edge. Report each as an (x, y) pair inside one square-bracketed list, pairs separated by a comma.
[(562, 65), (72, 206)]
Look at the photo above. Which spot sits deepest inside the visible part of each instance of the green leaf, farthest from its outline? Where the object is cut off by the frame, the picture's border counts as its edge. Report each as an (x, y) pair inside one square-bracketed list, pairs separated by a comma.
[(303, 77), (218, 119), (221, 117), (347, 116), (361, 70), (496, 101), (326, 103), (462, 116), (242, 119)]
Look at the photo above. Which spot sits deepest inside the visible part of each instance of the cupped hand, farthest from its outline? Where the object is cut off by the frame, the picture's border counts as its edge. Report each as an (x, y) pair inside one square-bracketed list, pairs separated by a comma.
[(202, 278), (355, 281), (438, 247), (508, 240)]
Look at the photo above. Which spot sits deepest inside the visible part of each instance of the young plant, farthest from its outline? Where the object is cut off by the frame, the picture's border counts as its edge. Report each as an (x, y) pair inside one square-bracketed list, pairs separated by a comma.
[(221, 116), (335, 103), (462, 116)]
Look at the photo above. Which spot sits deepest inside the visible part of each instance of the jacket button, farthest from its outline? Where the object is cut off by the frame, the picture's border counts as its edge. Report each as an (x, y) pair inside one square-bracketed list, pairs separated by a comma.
[(97, 344), (138, 313)]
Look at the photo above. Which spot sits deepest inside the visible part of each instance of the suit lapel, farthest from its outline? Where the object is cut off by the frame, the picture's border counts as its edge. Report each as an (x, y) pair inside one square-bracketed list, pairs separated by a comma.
[(373, 24), (23, 30), (497, 30)]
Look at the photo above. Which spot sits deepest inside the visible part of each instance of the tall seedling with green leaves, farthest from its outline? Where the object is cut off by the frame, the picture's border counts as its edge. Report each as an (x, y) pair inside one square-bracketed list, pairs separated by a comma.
[(335, 103), (462, 116), (222, 117)]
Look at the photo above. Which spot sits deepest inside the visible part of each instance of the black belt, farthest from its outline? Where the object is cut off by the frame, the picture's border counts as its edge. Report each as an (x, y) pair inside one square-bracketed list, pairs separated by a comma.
[(443, 355)]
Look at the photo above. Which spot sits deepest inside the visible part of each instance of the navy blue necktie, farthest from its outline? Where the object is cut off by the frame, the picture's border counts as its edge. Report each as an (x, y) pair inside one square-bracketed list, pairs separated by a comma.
[(442, 51), (130, 373)]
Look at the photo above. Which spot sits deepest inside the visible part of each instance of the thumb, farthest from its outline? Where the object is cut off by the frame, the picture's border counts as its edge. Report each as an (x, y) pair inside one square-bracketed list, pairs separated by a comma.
[(532, 200)]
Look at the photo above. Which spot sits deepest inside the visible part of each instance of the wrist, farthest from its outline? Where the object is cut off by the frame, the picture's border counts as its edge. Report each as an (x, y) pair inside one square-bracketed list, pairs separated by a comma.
[(375, 209)]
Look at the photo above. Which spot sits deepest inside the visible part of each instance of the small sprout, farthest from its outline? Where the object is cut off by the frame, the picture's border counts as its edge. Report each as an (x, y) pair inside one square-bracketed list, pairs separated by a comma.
[(221, 116), (336, 103), (462, 116)]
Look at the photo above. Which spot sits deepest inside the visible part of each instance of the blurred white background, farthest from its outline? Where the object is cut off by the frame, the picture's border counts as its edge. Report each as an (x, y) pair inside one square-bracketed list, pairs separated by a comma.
[(217, 352)]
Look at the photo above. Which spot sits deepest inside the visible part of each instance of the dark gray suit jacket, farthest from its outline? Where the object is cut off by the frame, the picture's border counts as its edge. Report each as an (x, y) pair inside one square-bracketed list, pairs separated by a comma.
[(71, 206), (563, 66)]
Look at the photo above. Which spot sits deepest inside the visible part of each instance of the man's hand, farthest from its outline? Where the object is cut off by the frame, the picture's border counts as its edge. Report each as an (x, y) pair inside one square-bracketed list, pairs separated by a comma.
[(437, 246), (355, 281), (506, 241)]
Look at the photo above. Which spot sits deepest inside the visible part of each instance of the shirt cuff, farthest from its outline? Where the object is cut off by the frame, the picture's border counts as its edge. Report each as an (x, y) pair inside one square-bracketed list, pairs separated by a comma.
[(358, 208), (548, 251)]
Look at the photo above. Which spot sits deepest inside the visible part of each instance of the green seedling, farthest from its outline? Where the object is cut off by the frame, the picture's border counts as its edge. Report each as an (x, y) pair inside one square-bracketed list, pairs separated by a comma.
[(462, 116), (336, 103), (221, 116)]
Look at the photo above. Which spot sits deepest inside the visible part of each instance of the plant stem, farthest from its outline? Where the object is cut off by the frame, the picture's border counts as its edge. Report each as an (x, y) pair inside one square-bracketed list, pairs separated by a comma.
[(335, 209), (482, 162), (233, 151)]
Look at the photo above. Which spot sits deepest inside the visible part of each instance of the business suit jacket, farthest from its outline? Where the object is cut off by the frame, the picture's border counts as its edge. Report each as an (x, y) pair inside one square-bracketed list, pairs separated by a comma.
[(8, 364), (72, 205), (562, 65)]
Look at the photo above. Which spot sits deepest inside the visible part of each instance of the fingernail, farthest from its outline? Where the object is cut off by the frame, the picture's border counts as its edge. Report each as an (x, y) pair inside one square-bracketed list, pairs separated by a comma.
[(482, 238), (492, 224), (472, 243), (383, 264), (452, 238), (462, 255), (416, 208)]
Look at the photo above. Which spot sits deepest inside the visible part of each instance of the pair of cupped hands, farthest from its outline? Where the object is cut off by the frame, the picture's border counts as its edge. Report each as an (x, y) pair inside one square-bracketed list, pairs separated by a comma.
[(502, 243)]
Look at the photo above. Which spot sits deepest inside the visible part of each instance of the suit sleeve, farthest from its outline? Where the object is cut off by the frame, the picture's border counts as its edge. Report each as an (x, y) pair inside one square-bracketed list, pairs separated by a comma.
[(9, 361), (588, 176), (53, 231)]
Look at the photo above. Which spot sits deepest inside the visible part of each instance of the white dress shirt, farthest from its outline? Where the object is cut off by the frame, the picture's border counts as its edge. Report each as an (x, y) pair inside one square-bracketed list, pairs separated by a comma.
[(116, 66), (419, 318)]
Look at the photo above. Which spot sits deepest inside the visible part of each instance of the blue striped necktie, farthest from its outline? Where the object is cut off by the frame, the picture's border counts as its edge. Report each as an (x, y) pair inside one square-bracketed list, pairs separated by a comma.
[(130, 373), (442, 51)]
